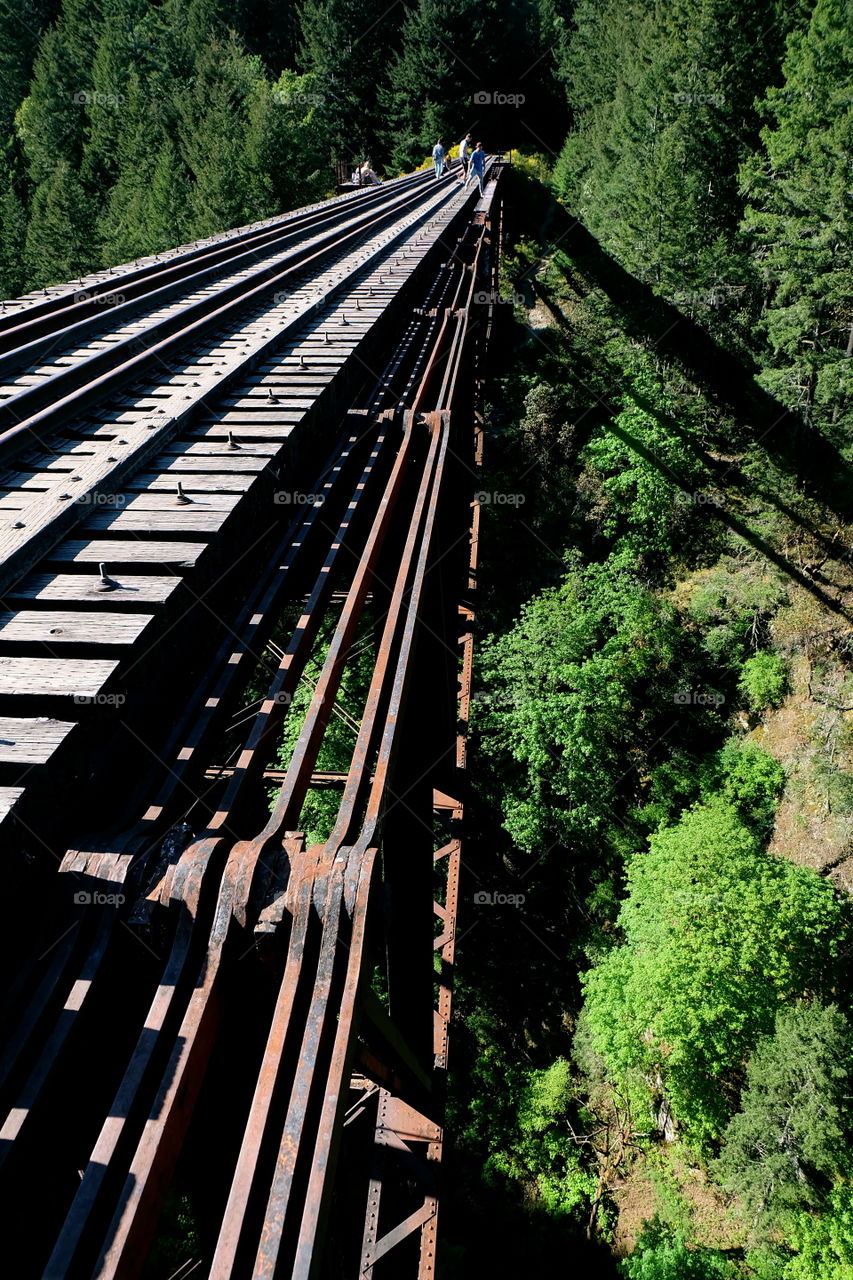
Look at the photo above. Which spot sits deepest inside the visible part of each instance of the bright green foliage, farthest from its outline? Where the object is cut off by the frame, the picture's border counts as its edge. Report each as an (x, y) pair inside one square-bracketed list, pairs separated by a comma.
[(646, 475), (663, 1255), (763, 680), (565, 686), (748, 779), (799, 220), (543, 1146), (733, 605), (795, 1114), (824, 1243), (744, 775), (716, 933)]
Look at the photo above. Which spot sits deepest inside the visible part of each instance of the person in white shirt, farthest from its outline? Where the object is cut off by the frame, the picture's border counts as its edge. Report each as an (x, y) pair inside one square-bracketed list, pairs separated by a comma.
[(465, 155)]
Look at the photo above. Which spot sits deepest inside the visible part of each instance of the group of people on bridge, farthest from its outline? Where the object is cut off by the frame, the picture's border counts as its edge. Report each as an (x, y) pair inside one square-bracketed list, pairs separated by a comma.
[(473, 160)]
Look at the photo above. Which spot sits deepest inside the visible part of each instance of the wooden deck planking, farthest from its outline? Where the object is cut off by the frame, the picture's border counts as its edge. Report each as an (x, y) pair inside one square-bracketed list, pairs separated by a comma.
[(31, 741), (28, 626), (126, 555), (78, 588), (77, 678)]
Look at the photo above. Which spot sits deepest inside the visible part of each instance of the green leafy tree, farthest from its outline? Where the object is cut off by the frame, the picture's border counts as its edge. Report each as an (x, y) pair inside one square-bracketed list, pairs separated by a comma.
[(791, 1132), (662, 1254), (562, 716), (799, 221), (824, 1242), (763, 680), (716, 933)]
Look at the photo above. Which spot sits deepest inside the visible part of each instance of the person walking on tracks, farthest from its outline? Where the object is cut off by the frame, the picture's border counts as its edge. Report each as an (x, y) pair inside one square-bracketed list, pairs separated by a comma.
[(478, 166), (465, 156), (438, 154)]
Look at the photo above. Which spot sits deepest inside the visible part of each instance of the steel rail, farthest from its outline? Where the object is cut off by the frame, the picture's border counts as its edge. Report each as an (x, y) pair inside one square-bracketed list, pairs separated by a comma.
[(39, 320)]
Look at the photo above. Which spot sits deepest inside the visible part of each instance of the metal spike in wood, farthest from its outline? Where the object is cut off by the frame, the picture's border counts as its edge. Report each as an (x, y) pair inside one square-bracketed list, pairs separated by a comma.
[(302, 364), (326, 337), (271, 393), (344, 318), (232, 443), (180, 496), (104, 582), (357, 305)]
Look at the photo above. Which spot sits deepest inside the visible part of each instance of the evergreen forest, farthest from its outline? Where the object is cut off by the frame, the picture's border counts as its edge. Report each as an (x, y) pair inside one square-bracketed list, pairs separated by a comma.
[(651, 1070)]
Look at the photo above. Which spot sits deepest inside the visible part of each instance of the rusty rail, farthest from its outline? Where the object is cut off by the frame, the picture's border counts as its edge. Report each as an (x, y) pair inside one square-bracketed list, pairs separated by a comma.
[(321, 953)]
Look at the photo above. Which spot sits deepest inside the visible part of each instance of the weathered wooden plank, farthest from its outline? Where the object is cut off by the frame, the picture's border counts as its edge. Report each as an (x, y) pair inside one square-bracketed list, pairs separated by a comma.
[(213, 448), (191, 483), (78, 588), (9, 797), (243, 430), (231, 463), (182, 520), (168, 501), (127, 554), (81, 679), (31, 741), (28, 626)]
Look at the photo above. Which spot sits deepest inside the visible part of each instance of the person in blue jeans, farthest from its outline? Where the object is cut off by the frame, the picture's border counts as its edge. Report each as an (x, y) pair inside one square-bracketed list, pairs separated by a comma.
[(438, 154), (478, 165)]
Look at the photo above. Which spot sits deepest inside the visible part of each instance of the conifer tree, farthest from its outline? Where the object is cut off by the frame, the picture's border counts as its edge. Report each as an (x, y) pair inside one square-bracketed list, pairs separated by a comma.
[(800, 222), (347, 45), (13, 230), (795, 1114), (665, 115), (51, 121), (59, 237)]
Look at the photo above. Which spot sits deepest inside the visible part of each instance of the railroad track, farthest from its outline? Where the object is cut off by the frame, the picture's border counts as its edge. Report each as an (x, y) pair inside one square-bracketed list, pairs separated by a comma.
[(214, 1005), (138, 451)]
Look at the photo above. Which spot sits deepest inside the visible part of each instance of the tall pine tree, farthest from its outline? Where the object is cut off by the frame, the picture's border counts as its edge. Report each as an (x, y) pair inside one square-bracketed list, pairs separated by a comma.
[(799, 220)]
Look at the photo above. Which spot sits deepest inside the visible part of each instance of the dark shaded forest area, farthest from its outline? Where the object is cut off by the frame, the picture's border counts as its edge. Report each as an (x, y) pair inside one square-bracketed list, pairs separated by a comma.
[(651, 1052)]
